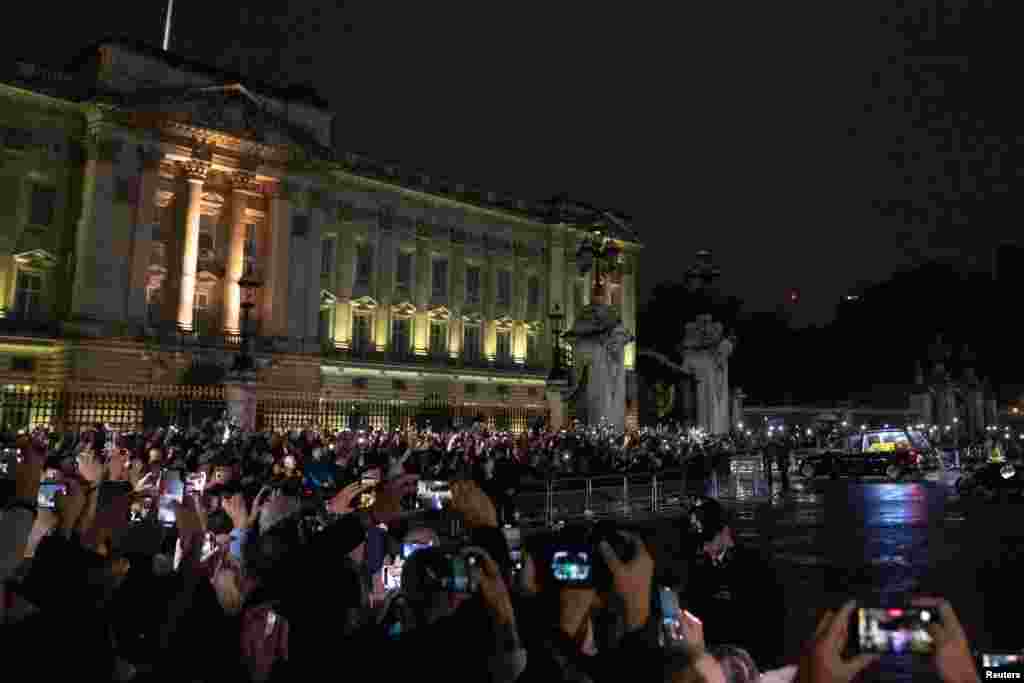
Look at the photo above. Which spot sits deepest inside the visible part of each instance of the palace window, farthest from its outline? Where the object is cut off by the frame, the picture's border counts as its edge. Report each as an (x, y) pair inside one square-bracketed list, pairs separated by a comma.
[(43, 201), (364, 264), (202, 324), (154, 299), (401, 335), (504, 345), (249, 250), (327, 248), (438, 337), (207, 236), (361, 333), (28, 300), (158, 254), (471, 342), (403, 271), (473, 285), (325, 328), (533, 296), (532, 347), (440, 278), (504, 288)]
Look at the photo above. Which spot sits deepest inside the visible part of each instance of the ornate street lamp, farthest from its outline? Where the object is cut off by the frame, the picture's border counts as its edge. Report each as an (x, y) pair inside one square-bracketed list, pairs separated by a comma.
[(556, 317), (600, 253), (244, 361)]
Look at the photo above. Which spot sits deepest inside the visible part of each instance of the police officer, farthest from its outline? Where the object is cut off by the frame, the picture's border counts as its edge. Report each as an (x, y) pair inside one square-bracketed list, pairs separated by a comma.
[(731, 587), (782, 462)]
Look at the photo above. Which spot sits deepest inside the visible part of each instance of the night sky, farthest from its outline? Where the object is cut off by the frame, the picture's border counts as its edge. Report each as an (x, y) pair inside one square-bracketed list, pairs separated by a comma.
[(809, 145)]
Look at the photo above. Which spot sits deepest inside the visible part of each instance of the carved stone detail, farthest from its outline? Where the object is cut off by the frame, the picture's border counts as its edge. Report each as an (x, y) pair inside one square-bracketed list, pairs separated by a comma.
[(243, 181), (194, 170), (164, 198)]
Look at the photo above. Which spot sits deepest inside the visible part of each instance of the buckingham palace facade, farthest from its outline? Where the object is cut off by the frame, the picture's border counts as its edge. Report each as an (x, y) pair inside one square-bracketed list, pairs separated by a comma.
[(138, 190)]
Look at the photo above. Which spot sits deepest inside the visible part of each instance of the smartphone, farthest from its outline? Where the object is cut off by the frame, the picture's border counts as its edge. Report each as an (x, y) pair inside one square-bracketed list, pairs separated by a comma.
[(409, 548), (513, 536), (573, 566), (368, 497), (209, 547), (8, 462), (48, 490), (671, 614), (392, 578), (141, 509), (895, 631), (433, 494), (195, 484), (172, 489)]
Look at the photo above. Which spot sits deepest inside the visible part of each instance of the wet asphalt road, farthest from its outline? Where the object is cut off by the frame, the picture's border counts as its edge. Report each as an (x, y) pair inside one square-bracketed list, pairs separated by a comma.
[(878, 542)]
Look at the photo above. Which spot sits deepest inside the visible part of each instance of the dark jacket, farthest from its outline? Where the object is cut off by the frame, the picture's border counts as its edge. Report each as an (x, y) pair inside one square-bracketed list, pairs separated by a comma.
[(740, 603)]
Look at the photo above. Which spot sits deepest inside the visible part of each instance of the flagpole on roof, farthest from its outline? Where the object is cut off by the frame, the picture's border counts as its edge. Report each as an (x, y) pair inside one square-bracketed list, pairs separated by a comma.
[(167, 25)]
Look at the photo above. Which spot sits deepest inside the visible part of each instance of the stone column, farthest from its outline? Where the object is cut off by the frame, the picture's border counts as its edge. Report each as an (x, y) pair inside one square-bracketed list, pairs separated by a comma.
[(96, 218), (314, 247), (145, 224), (275, 287), (423, 292), (195, 175), (241, 183)]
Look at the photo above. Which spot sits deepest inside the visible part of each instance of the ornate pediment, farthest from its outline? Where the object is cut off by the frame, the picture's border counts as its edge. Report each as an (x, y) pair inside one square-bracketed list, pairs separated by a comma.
[(230, 109), (473, 318), (364, 303), (36, 258), (405, 308), (505, 323)]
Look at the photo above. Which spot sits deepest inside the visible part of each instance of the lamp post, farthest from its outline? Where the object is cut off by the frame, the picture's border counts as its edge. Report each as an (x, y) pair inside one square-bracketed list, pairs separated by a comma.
[(597, 250), (244, 362), (556, 317)]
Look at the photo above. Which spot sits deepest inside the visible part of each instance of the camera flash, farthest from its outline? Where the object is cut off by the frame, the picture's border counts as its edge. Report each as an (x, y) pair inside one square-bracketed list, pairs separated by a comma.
[(926, 616)]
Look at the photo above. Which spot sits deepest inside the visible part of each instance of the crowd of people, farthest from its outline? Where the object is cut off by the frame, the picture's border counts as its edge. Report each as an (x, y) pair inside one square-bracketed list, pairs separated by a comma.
[(212, 554)]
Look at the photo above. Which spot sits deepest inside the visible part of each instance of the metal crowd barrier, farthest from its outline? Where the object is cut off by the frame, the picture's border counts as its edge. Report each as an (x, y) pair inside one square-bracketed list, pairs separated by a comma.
[(602, 496)]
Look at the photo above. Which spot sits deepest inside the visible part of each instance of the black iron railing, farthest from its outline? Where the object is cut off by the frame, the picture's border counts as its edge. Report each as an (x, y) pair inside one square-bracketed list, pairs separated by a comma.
[(130, 408)]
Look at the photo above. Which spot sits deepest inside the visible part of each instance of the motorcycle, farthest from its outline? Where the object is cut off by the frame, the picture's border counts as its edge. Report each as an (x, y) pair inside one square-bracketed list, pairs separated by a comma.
[(991, 479)]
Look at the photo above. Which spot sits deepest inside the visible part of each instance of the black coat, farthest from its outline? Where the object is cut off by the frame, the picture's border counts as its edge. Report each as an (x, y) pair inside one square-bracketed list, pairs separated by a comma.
[(741, 604)]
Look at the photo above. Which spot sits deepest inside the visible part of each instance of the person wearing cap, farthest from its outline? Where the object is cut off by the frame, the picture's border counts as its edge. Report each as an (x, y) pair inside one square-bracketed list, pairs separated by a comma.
[(732, 588)]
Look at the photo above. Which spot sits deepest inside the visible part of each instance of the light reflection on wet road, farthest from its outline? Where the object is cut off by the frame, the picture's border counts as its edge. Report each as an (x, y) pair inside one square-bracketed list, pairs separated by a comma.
[(880, 541), (877, 541)]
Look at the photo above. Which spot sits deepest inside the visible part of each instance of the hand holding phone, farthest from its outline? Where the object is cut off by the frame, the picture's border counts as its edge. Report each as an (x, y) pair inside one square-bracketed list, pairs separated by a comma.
[(48, 490), (172, 490), (895, 631)]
